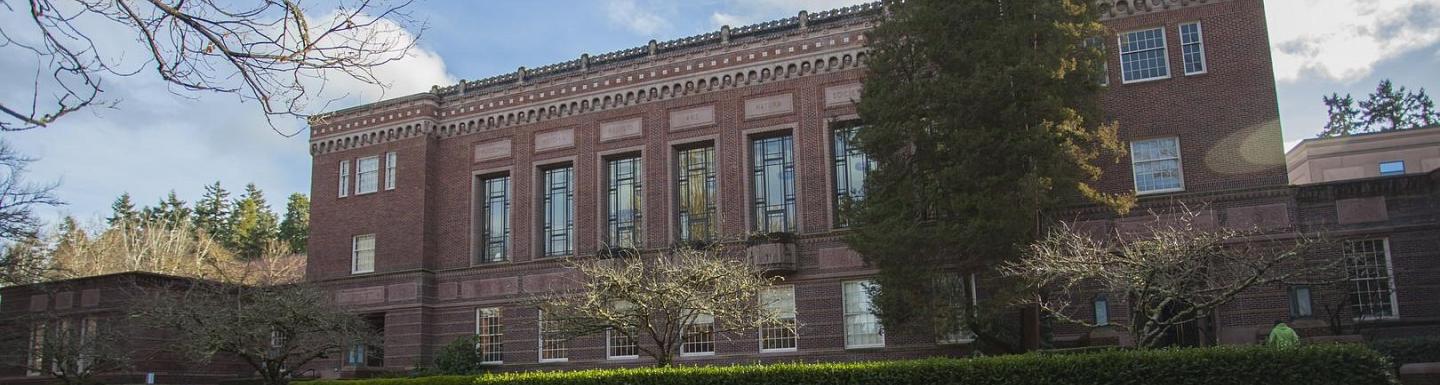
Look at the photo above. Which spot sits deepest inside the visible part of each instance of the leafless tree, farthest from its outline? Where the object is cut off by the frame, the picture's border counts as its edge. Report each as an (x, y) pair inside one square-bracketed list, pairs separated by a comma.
[(260, 313), (272, 52), (72, 349), (1177, 272), (652, 300), (19, 198), (19, 225)]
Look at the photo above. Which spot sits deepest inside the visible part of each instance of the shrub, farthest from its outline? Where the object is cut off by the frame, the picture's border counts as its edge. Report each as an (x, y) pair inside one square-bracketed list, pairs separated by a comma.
[(462, 356), (1409, 350), (1327, 364)]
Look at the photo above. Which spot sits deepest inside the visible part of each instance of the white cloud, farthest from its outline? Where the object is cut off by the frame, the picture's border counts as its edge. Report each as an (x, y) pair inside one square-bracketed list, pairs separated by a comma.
[(1343, 39), (742, 12), (641, 20), (159, 138)]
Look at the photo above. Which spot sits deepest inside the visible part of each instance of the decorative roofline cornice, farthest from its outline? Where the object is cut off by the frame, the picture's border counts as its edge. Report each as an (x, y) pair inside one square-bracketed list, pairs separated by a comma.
[(653, 51), (420, 119), (1115, 9)]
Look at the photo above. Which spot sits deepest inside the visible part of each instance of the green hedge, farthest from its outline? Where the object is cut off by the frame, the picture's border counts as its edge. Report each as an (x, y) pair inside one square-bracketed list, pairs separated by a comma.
[(1310, 365), (1409, 350)]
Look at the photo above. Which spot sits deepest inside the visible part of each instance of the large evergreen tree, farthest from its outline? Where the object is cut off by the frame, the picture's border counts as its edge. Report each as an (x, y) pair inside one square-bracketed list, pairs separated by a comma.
[(295, 228), (123, 211), (1389, 108), (212, 213), (981, 115), (253, 225)]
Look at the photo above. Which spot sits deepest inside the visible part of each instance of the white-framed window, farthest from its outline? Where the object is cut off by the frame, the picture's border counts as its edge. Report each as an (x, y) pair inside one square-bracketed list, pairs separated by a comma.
[(862, 327), (781, 336), (1156, 164), (367, 175), (620, 345), (390, 165), (362, 254), (1372, 290), (698, 338), (344, 178), (1192, 48), (1143, 55), (490, 333), (553, 346), (959, 291)]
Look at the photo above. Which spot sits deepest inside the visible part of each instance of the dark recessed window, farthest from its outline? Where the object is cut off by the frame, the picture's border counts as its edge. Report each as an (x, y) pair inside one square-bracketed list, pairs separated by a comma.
[(494, 219), (851, 166), (1300, 304), (774, 183), (558, 205), (695, 198), (624, 205)]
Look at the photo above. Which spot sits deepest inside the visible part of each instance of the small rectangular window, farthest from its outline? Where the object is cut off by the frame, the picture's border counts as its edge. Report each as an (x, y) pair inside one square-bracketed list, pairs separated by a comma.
[(490, 334), (1300, 303), (862, 327), (1102, 310), (344, 178), (780, 336), (558, 205), (367, 175), (1372, 294), (493, 224), (1143, 55), (699, 337), (1192, 48), (390, 159), (1156, 164), (553, 346), (362, 255), (1394, 167)]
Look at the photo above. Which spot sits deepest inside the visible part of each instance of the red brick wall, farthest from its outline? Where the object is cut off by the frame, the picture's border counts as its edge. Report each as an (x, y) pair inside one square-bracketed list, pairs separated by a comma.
[(1227, 121)]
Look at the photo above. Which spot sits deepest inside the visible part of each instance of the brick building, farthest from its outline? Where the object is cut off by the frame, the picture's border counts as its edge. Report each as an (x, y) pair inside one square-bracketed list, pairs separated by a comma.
[(77, 308), (436, 213)]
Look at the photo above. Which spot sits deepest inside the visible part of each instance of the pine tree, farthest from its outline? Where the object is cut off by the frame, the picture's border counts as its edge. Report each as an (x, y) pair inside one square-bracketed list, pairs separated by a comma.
[(212, 213), (1385, 110), (254, 226), (173, 210), (1344, 117), (295, 229), (981, 115), (1389, 108), (123, 211)]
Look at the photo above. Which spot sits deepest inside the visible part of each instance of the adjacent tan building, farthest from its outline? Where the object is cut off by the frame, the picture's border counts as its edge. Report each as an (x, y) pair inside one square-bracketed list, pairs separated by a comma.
[(1361, 156)]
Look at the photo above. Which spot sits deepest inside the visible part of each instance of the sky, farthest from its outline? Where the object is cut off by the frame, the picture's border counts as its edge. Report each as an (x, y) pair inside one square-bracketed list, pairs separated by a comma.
[(157, 139)]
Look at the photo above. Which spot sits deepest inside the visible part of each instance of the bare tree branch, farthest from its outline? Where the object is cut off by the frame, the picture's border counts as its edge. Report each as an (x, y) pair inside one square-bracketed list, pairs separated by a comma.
[(1178, 271), (267, 51)]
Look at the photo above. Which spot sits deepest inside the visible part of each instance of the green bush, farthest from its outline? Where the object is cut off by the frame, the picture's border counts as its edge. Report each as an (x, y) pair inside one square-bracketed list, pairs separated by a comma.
[(462, 356), (1310, 365), (1409, 350)]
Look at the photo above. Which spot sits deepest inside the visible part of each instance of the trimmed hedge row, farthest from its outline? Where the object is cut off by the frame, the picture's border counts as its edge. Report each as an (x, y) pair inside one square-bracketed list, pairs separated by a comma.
[(1309, 365), (1409, 350)]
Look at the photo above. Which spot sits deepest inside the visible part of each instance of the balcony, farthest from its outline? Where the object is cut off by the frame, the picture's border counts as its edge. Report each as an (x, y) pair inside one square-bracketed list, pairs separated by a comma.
[(773, 258)]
